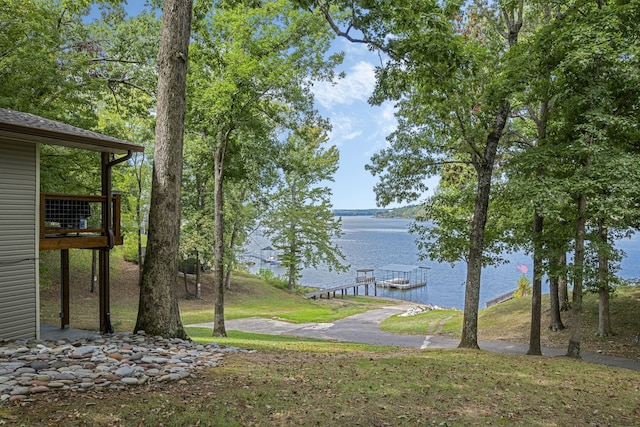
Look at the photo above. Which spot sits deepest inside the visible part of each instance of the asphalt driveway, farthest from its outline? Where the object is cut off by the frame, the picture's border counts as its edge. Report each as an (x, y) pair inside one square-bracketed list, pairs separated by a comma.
[(363, 328)]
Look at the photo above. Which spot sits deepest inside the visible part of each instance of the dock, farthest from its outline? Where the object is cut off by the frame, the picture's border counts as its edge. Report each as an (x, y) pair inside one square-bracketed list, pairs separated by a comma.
[(500, 298), (364, 279), (400, 284), (395, 276), (402, 276)]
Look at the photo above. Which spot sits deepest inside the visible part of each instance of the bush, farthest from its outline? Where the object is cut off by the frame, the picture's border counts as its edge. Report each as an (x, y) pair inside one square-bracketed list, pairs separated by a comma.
[(524, 287), (269, 277), (129, 249)]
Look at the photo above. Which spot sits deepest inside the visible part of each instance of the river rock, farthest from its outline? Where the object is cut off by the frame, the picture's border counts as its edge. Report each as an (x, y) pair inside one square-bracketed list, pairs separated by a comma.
[(115, 362)]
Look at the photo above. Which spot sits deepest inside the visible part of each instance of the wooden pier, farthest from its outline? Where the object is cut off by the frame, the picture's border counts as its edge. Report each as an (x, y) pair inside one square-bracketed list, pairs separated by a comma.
[(362, 279), (500, 298)]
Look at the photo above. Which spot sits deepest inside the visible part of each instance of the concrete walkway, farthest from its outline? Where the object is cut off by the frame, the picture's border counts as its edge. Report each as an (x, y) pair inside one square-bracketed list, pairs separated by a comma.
[(363, 328), (55, 333)]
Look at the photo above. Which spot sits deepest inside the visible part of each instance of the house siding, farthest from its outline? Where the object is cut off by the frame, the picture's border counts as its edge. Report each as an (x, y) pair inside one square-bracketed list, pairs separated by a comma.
[(18, 240)]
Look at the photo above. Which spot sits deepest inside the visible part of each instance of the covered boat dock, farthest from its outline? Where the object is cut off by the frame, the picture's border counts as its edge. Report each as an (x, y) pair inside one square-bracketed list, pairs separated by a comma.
[(402, 276)]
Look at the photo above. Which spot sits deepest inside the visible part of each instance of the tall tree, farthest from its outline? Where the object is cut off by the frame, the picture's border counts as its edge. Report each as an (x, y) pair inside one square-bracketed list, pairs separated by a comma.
[(197, 225), (592, 62), (448, 75), (158, 311), (300, 222), (252, 72)]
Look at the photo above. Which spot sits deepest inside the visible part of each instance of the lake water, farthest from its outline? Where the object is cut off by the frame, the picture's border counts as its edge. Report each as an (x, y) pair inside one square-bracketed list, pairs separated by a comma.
[(375, 242)]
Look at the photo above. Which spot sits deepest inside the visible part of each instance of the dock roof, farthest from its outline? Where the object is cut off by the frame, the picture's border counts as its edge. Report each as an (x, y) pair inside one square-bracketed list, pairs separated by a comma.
[(403, 268)]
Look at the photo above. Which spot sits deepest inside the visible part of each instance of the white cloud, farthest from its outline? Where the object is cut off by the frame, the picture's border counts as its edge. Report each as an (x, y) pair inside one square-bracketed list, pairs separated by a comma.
[(383, 123), (343, 129), (357, 85)]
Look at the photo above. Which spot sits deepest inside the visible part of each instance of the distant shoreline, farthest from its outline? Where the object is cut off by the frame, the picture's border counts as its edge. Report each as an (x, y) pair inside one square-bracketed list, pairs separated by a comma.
[(408, 212)]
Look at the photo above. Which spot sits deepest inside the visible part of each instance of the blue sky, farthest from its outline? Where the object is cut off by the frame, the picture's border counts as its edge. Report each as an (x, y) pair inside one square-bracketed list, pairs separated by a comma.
[(359, 129)]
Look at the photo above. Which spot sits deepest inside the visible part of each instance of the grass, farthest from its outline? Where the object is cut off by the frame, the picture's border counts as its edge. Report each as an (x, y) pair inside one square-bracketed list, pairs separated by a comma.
[(334, 387), (249, 296), (295, 381), (510, 321), (262, 342)]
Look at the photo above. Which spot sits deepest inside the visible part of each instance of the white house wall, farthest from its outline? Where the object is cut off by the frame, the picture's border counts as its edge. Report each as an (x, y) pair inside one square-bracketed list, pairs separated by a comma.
[(18, 240)]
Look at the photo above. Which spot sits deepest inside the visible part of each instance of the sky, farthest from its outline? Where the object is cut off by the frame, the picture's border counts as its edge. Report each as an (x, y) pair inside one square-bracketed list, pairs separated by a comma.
[(358, 129)]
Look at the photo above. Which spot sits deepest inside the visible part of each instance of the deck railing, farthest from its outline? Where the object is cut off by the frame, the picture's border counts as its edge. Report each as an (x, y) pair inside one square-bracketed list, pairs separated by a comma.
[(73, 221)]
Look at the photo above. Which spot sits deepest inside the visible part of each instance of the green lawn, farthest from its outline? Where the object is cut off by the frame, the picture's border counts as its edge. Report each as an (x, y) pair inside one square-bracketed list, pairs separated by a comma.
[(295, 381)]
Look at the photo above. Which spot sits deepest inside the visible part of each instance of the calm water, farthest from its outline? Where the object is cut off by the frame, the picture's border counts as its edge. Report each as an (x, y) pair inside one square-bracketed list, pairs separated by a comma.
[(375, 242)]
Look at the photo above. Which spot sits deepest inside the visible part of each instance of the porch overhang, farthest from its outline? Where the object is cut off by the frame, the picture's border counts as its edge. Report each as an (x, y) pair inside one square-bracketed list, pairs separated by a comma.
[(27, 127)]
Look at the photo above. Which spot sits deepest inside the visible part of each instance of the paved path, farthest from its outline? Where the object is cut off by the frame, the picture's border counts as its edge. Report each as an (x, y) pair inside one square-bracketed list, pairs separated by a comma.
[(363, 328)]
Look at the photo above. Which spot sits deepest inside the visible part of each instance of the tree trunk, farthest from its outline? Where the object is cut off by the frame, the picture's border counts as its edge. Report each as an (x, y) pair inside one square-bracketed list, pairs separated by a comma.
[(198, 268), (94, 275), (563, 290), (576, 305), (555, 323), (536, 291), (292, 277), (184, 277), (139, 218), (604, 319), (227, 279), (232, 242), (218, 232), (484, 169), (483, 164), (158, 312)]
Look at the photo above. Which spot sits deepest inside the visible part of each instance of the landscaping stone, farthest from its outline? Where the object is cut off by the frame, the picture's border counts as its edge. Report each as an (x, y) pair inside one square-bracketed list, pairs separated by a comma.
[(115, 362)]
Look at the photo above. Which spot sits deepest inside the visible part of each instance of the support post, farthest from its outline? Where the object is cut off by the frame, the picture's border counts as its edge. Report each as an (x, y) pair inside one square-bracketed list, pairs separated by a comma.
[(64, 288), (107, 225), (105, 315)]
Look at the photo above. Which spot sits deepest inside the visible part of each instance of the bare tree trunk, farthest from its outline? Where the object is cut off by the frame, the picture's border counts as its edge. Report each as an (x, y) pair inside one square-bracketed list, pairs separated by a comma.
[(563, 289), (139, 216), (536, 291), (218, 231), (604, 319), (198, 268), (555, 323), (232, 242), (158, 312), (292, 277), (576, 306), (483, 164), (227, 279)]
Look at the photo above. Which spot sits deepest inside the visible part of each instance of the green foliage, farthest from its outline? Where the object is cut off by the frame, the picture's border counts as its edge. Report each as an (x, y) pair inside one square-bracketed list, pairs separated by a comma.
[(524, 287), (56, 65), (300, 222), (97, 75), (129, 249), (251, 70), (270, 277)]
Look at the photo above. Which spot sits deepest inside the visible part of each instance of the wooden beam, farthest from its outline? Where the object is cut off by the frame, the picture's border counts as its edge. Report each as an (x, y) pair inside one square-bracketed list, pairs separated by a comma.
[(64, 289), (105, 304), (60, 243)]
